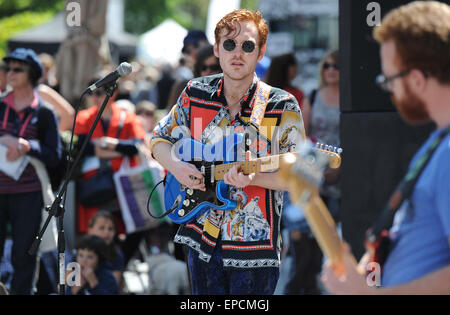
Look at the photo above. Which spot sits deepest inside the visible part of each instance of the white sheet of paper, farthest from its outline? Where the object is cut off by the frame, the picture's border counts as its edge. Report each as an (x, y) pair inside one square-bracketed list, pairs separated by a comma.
[(12, 169)]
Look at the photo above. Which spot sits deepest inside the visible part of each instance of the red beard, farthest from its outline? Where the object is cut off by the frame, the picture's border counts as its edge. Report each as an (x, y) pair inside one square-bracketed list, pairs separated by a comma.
[(411, 108)]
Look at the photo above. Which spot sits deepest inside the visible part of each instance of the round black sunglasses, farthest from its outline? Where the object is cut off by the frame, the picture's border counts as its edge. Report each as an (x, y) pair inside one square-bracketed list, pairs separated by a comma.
[(248, 46)]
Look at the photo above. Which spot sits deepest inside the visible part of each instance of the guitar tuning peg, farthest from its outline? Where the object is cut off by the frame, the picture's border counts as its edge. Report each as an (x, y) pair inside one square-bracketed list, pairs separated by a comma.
[(334, 149), (339, 151), (317, 144)]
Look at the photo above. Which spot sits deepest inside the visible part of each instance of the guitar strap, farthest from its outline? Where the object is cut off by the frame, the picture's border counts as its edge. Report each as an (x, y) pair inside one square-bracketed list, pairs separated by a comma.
[(260, 104), (377, 235), (258, 111)]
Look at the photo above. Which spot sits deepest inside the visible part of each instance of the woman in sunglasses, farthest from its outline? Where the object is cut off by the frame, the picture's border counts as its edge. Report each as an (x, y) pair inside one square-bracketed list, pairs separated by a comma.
[(323, 127), (207, 63), (323, 102), (28, 127), (324, 122), (233, 252)]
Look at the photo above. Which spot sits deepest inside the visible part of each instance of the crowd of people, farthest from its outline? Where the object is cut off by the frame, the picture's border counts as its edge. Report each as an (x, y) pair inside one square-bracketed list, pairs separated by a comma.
[(216, 82), (31, 102)]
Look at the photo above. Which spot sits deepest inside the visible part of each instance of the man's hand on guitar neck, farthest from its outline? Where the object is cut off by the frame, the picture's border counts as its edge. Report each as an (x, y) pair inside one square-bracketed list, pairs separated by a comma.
[(352, 283), (235, 177)]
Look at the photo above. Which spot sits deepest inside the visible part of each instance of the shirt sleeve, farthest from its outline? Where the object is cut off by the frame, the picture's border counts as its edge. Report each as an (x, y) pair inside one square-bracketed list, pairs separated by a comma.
[(174, 125), (291, 130), (48, 147), (442, 188)]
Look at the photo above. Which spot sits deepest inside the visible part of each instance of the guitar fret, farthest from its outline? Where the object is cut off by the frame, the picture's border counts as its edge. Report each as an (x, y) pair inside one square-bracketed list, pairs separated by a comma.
[(266, 164)]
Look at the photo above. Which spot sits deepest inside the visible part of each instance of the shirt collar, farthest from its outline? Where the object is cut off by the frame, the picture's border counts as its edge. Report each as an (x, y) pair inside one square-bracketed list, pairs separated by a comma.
[(9, 101), (247, 98)]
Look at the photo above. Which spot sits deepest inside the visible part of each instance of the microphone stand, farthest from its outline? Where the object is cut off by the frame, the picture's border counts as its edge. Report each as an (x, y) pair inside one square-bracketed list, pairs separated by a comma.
[(57, 209)]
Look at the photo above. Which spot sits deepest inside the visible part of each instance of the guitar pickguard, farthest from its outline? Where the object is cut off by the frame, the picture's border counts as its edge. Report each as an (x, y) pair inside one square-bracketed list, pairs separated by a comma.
[(187, 204)]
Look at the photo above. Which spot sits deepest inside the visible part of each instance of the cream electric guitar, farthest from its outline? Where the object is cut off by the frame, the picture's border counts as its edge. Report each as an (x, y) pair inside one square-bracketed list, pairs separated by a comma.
[(303, 170)]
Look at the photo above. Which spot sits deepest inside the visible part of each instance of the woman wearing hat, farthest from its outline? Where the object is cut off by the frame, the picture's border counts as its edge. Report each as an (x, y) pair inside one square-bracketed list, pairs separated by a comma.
[(27, 127)]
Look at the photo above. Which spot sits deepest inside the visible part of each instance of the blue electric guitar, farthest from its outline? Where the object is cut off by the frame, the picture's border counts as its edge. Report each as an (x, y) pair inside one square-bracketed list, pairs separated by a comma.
[(184, 204)]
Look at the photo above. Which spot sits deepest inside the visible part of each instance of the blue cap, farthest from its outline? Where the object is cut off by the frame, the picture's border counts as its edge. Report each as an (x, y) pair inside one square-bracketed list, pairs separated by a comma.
[(193, 37), (28, 56)]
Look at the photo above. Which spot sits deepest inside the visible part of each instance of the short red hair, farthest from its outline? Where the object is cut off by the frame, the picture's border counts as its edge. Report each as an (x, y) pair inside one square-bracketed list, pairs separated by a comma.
[(421, 32), (230, 20)]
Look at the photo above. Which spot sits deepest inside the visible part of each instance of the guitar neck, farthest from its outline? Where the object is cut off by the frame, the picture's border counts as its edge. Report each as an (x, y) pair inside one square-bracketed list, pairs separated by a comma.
[(269, 163), (264, 164)]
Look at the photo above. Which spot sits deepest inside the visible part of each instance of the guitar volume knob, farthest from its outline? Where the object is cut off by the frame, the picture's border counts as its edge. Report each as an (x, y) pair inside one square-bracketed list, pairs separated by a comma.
[(186, 203), (181, 212)]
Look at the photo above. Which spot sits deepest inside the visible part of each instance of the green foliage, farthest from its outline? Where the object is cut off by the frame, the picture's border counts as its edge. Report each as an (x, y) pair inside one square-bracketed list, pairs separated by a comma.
[(19, 15), (8, 8), (140, 16), (190, 14), (19, 22), (250, 4)]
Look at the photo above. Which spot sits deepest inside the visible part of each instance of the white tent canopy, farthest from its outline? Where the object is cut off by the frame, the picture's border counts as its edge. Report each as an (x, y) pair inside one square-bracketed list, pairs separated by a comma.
[(216, 10), (162, 44)]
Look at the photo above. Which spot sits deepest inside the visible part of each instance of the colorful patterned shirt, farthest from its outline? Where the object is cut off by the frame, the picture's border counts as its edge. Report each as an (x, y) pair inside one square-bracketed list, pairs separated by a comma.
[(250, 234)]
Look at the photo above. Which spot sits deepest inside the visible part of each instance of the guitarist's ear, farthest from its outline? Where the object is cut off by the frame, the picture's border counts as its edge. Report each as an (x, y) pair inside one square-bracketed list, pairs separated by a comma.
[(262, 52)]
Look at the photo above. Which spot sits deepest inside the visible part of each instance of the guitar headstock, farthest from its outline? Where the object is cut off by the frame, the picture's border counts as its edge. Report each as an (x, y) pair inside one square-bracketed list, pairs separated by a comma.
[(333, 154), (305, 167), (303, 171)]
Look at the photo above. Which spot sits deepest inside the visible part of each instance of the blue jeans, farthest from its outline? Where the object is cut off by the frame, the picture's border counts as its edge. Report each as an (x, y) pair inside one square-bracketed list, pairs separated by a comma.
[(213, 279), (24, 211)]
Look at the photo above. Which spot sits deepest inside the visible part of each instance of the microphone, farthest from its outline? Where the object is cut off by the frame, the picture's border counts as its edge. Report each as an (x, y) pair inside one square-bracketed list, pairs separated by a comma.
[(123, 69)]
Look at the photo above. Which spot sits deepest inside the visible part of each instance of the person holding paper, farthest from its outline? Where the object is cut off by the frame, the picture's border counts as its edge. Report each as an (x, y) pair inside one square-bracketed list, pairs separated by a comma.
[(28, 127)]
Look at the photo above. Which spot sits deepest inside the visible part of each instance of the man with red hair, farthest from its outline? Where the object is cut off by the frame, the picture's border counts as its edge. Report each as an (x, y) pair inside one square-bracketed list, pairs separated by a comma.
[(238, 251), (415, 50)]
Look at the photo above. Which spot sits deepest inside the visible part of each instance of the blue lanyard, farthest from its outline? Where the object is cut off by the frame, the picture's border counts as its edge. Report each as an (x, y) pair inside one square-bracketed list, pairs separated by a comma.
[(404, 190)]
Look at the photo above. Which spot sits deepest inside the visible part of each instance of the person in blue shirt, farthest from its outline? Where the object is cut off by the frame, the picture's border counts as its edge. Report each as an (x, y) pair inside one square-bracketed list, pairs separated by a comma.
[(94, 278), (415, 48)]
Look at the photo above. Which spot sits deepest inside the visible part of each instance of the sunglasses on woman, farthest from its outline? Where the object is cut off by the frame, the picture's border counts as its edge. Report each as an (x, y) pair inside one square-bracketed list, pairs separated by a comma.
[(328, 65), (248, 46), (213, 67), (16, 70), (98, 92), (146, 113)]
